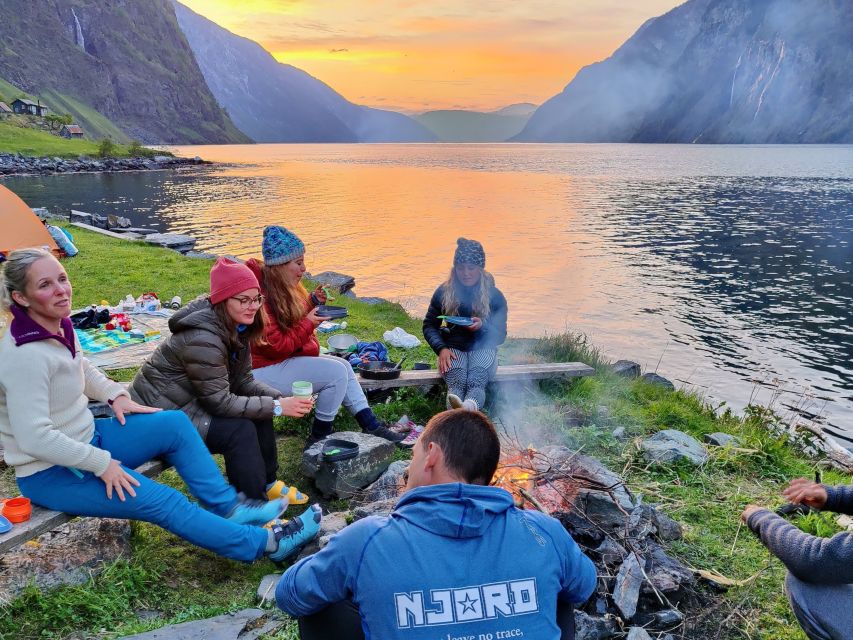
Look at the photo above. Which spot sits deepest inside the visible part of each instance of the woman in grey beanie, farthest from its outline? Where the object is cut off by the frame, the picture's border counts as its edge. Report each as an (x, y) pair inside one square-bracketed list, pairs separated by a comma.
[(467, 355)]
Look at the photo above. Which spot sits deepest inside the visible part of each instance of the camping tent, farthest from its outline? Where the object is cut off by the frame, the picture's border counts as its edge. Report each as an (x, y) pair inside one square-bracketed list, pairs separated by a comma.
[(20, 227)]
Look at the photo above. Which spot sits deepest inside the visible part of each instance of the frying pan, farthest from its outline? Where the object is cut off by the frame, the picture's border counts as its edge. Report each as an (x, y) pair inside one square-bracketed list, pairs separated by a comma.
[(376, 370)]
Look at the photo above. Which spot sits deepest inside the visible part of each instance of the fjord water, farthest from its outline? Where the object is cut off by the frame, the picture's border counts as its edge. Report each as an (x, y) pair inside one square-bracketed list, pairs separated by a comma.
[(725, 268)]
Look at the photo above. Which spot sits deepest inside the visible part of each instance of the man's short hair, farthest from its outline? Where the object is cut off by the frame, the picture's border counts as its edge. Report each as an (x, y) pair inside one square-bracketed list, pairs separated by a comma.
[(469, 442)]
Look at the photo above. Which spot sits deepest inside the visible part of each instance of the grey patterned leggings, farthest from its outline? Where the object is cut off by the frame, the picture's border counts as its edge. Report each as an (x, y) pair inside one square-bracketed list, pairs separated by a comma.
[(470, 372)]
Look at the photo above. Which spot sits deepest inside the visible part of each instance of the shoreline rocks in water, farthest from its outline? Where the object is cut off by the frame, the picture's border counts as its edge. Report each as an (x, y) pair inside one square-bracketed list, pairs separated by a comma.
[(17, 164)]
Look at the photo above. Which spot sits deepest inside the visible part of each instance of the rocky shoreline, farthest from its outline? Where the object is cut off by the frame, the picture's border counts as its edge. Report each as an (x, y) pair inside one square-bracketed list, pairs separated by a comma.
[(17, 164)]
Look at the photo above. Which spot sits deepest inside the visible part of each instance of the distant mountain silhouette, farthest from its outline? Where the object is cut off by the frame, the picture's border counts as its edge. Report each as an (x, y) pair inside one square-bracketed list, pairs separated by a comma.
[(716, 71), (274, 102), (455, 125)]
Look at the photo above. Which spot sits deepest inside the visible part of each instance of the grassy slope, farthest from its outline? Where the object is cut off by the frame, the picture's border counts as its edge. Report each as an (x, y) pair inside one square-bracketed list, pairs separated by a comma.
[(184, 583), (96, 125), (9, 92)]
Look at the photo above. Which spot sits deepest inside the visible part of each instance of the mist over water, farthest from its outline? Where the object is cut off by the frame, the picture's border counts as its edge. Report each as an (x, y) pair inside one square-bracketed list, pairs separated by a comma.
[(725, 268)]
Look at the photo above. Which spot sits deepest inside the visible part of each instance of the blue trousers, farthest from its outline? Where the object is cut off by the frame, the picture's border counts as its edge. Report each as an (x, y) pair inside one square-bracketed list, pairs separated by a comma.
[(169, 435)]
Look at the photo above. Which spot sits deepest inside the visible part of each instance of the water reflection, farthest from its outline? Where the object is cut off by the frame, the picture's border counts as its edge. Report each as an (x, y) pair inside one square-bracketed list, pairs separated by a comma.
[(721, 266)]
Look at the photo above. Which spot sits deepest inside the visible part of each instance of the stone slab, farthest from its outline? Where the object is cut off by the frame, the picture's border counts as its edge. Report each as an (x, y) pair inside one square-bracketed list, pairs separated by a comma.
[(247, 624)]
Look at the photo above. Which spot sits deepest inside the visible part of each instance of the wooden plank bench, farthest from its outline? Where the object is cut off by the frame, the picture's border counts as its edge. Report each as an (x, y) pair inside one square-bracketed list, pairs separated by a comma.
[(505, 373), (44, 520)]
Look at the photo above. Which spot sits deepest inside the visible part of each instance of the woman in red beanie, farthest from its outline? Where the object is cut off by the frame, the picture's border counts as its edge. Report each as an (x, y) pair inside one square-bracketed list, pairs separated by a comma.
[(204, 368)]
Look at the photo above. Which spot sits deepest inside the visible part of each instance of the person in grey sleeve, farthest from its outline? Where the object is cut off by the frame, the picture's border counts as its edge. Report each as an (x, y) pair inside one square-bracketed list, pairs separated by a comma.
[(819, 583)]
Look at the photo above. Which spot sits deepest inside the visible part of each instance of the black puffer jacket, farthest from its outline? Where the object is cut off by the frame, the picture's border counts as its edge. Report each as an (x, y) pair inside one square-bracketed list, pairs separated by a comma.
[(491, 335), (194, 371)]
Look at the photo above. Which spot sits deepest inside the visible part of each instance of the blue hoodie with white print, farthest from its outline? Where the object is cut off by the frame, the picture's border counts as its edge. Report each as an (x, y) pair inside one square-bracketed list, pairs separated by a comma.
[(453, 560)]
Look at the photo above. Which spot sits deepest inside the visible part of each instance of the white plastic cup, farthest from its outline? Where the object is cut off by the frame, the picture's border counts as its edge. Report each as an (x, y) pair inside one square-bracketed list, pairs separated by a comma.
[(176, 302), (301, 389)]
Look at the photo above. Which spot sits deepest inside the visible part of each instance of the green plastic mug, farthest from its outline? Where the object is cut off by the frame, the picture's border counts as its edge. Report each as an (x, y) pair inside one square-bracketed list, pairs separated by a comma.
[(301, 389)]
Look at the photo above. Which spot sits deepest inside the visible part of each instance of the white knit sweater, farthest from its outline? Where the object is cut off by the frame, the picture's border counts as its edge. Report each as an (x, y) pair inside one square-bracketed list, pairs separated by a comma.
[(44, 414)]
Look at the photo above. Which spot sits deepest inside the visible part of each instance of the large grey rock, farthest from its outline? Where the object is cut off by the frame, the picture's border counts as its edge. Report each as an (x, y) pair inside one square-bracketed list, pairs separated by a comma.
[(667, 574), (668, 529), (388, 486), (720, 439), (266, 590), (638, 633), (606, 508), (610, 552), (659, 381), (174, 241), (626, 593), (381, 508), (247, 624), (346, 478), (335, 280), (329, 526), (68, 555), (626, 368), (589, 627), (81, 216), (670, 445)]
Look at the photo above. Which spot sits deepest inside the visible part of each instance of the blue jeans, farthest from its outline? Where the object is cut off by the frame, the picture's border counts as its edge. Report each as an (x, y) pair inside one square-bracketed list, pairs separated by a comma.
[(169, 435)]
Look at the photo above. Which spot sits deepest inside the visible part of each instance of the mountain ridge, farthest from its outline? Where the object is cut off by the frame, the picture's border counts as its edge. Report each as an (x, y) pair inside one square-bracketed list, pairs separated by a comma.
[(272, 101), (127, 61), (716, 71)]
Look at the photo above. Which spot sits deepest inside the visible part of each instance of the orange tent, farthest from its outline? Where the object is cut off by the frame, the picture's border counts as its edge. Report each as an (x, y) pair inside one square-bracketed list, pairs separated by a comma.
[(20, 227)]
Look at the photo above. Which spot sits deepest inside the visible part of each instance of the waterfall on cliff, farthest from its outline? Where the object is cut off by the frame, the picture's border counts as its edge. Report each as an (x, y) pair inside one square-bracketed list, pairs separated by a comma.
[(78, 36)]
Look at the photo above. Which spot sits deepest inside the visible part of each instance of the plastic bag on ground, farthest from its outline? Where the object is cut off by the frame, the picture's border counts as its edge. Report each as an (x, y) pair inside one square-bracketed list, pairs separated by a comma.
[(398, 337)]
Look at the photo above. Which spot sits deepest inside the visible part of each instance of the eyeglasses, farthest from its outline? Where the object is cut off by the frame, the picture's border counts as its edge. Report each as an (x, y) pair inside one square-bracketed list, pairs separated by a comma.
[(246, 302)]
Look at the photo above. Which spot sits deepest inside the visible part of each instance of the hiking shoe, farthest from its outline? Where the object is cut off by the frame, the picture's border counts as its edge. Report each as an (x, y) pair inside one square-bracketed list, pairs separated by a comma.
[(412, 437), (294, 535), (454, 401), (403, 425), (256, 512), (382, 431), (470, 404)]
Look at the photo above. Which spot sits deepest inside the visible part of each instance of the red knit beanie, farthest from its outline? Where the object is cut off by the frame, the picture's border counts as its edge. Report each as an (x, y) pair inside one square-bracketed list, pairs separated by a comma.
[(228, 277)]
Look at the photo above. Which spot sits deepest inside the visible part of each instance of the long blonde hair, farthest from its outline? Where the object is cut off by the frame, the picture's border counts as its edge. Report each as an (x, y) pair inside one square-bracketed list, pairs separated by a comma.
[(451, 298), (13, 277), (288, 302)]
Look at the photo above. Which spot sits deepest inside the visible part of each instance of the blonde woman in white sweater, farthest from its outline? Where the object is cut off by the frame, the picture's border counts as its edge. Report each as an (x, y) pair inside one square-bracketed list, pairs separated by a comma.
[(66, 460)]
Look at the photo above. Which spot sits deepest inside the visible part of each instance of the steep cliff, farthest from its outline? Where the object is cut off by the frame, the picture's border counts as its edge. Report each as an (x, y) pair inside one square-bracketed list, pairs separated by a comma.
[(125, 59), (716, 71), (275, 102)]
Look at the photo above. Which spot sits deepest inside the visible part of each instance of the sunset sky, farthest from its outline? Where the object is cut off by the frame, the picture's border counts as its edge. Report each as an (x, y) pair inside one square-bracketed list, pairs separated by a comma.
[(440, 54)]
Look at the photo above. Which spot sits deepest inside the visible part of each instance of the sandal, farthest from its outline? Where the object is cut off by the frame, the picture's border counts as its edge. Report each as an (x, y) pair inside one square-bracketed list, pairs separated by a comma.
[(281, 490)]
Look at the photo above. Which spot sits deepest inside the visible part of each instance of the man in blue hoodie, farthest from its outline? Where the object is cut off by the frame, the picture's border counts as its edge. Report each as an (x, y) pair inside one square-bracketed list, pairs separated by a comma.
[(454, 560)]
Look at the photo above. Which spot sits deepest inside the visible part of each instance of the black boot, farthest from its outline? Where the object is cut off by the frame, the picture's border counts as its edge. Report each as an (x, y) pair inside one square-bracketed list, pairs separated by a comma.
[(319, 430)]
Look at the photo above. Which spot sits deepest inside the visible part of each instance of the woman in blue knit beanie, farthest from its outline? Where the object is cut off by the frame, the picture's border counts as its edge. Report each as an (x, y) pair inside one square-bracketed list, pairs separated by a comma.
[(289, 350), (467, 355)]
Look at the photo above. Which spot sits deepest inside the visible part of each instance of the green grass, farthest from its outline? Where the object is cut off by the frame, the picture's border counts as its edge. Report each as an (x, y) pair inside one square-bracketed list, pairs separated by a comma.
[(9, 92), (182, 583), (15, 138)]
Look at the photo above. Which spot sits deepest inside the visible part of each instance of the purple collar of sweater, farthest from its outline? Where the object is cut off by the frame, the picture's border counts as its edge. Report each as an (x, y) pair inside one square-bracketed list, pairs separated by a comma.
[(24, 330)]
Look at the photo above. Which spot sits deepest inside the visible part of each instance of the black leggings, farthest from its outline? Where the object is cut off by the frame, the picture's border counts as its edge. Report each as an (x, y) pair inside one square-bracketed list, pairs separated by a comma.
[(341, 620), (249, 449)]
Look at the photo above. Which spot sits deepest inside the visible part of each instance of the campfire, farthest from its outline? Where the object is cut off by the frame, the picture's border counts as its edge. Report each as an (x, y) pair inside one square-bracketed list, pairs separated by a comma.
[(639, 584)]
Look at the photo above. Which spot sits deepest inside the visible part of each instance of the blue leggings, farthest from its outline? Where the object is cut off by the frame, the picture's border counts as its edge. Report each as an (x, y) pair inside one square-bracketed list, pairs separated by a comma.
[(170, 435)]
